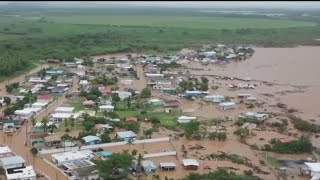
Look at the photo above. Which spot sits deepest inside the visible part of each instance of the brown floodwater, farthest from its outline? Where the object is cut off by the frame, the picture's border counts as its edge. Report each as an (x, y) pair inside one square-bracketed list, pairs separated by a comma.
[(285, 66)]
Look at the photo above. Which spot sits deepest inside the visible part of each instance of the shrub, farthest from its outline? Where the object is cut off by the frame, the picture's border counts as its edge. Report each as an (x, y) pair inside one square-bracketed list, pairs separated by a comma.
[(248, 172)]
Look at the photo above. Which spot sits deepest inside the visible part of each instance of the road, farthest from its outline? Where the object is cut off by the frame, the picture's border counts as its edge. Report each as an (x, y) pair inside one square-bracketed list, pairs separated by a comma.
[(17, 141)]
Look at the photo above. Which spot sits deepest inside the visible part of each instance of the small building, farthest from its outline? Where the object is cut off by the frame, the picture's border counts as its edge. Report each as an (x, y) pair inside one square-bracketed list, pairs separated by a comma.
[(131, 119), (54, 73), (102, 128), (21, 173), (185, 119), (149, 166), (126, 135), (12, 162), (154, 75), (39, 79), (91, 140), (82, 170), (192, 93), (244, 95), (313, 170), (190, 164), (106, 108), (167, 166), (9, 128), (171, 103), (67, 157), (41, 105), (155, 102), (124, 95), (227, 105), (214, 98), (52, 141)]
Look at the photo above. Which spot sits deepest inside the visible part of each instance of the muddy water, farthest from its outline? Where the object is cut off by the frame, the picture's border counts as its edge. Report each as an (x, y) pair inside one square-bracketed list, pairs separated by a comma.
[(287, 66)]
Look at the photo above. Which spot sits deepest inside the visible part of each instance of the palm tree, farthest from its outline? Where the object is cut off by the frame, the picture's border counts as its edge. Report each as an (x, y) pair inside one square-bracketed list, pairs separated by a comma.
[(66, 122), (139, 166), (52, 127), (41, 62), (72, 123), (45, 124)]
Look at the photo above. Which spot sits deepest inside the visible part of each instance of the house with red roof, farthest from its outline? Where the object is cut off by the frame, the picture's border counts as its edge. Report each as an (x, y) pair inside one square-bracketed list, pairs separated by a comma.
[(131, 119)]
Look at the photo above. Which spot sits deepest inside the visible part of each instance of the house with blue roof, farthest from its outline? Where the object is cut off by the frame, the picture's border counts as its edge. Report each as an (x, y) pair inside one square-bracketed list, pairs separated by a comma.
[(12, 162), (91, 140)]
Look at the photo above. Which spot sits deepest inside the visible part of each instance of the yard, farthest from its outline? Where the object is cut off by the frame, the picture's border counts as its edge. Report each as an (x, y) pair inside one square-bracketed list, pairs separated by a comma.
[(77, 106)]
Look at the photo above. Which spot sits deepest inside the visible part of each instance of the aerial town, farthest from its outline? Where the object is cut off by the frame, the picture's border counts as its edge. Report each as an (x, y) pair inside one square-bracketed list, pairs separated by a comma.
[(85, 118)]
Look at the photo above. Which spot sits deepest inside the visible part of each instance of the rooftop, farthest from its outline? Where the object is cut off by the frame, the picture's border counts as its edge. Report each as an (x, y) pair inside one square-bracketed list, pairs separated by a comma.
[(51, 138), (126, 134), (69, 156), (190, 162), (12, 160), (23, 173), (64, 109), (91, 138)]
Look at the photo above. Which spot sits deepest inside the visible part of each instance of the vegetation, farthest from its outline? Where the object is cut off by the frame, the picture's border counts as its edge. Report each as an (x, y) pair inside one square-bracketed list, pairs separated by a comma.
[(20, 104), (146, 92), (108, 167), (191, 128), (69, 33), (296, 146), (304, 126), (242, 133), (220, 174), (34, 151)]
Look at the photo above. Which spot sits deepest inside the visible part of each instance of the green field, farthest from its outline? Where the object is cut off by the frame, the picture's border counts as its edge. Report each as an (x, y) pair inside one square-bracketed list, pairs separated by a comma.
[(178, 21), (69, 33)]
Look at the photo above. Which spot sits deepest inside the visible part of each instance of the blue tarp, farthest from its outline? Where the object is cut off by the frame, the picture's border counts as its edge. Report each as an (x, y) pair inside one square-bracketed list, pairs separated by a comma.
[(105, 153)]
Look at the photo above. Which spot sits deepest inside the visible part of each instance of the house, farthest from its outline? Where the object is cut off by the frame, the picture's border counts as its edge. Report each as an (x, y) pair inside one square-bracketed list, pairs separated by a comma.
[(70, 64), (167, 166), (57, 117), (21, 173), (131, 119), (12, 162), (44, 98), (313, 169), (192, 93), (54, 73), (227, 105), (52, 141), (252, 98), (106, 108), (82, 169), (54, 61), (257, 116), (102, 128), (89, 103), (5, 151), (24, 113), (41, 105), (244, 95), (168, 90), (100, 87), (171, 103), (124, 95), (91, 140), (149, 166), (67, 157), (185, 119), (155, 102), (126, 135), (39, 79), (190, 164), (149, 75), (214, 98)]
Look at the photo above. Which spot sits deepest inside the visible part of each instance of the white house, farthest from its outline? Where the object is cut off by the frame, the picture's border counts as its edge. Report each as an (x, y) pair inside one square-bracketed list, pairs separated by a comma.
[(23, 173), (214, 98), (257, 116), (39, 79), (314, 170), (125, 135), (39, 105), (71, 156), (185, 119), (12, 162), (106, 108), (154, 75), (227, 105), (124, 95), (81, 73)]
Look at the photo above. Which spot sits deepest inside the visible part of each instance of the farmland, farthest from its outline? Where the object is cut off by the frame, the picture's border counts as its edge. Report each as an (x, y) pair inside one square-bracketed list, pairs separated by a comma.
[(65, 34)]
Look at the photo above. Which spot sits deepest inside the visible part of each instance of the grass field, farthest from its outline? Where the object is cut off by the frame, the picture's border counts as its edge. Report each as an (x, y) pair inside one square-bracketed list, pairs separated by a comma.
[(178, 21), (70, 33)]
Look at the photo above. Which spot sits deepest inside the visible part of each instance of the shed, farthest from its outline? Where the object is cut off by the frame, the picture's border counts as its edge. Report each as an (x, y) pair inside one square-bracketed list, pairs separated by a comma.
[(190, 164), (167, 166), (149, 166)]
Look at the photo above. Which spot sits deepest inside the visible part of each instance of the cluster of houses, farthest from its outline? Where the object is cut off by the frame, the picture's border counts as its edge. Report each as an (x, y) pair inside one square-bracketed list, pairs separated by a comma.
[(15, 166)]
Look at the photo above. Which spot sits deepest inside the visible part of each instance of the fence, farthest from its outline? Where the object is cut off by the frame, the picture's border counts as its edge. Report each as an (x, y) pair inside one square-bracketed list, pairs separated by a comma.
[(161, 154), (52, 151)]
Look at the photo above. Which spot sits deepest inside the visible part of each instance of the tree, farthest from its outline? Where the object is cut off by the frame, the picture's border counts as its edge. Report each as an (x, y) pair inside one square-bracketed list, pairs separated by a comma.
[(129, 102), (7, 100), (45, 124), (134, 152), (105, 138), (204, 80), (146, 93), (66, 137), (114, 162), (66, 122), (51, 128), (148, 133), (242, 133), (132, 126), (72, 122), (204, 87), (9, 88), (115, 97), (33, 121), (222, 136), (92, 97), (34, 151), (213, 135), (191, 128)]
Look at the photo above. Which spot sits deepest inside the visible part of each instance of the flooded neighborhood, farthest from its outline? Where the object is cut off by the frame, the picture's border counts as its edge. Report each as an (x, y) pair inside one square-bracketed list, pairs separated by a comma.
[(89, 92)]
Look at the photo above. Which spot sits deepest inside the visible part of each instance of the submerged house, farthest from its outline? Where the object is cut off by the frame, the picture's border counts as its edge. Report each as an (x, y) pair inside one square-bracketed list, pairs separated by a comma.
[(149, 166), (214, 98), (125, 135), (190, 164), (91, 140), (227, 105), (171, 103), (257, 116), (185, 119), (192, 93), (167, 166)]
